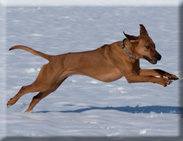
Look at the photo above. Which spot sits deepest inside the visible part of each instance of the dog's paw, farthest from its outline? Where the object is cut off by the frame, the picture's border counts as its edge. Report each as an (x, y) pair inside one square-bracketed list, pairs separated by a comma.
[(10, 102), (164, 82), (171, 76), (28, 111)]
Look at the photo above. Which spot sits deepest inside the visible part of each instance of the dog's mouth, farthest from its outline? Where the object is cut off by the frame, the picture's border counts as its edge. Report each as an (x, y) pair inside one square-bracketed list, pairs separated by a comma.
[(150, 60)]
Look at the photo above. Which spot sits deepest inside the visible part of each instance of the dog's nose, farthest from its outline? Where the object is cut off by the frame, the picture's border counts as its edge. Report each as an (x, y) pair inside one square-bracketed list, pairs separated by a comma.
[(158, 56)]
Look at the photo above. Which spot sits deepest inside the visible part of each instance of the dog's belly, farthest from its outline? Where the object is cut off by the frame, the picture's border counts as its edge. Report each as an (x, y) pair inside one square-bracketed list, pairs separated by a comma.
[(105, 75), (109, 77)]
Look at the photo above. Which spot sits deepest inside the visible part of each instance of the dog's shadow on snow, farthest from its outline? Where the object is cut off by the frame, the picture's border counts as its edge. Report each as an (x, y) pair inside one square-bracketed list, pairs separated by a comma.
[(128, 109)]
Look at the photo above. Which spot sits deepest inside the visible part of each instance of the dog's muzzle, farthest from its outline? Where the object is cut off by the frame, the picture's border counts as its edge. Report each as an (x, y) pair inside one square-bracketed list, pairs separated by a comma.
[(153, 61)]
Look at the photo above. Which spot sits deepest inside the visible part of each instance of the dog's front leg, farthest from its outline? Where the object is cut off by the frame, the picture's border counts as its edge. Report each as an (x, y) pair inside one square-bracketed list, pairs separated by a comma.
[(157, 72), (134, 78)]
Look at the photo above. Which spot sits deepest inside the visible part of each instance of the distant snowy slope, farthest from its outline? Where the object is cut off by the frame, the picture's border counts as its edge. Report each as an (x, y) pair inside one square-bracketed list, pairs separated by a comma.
[(92, 2)]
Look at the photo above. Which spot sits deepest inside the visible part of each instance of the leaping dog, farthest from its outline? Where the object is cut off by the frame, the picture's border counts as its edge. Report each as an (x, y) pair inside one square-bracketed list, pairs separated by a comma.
[(107, 63)]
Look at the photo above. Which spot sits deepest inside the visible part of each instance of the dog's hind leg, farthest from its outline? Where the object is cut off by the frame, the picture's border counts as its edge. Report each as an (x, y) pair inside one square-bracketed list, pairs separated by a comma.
[(22, 91), (42, 83), (41, 95)]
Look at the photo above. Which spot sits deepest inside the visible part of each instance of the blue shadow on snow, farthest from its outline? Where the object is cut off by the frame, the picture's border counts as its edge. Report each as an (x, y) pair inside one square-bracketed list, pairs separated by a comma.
[(128, 109)]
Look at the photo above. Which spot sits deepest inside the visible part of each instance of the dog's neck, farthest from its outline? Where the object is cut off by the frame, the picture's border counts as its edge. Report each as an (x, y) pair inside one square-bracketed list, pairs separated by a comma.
[(128, 48)]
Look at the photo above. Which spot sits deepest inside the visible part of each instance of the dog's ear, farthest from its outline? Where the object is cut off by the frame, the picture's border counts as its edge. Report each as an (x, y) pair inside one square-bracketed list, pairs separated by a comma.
[(131, 38), (143, 30)]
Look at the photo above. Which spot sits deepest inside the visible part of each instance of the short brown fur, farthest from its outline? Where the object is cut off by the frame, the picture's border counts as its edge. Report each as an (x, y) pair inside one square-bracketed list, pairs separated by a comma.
[(107, 63)]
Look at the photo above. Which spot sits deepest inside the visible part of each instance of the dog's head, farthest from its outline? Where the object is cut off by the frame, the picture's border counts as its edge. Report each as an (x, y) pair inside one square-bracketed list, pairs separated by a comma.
[(143, 46)]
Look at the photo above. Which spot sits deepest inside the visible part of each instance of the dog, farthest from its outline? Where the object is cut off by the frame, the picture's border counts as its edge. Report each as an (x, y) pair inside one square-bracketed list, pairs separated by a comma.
[(107, 63)]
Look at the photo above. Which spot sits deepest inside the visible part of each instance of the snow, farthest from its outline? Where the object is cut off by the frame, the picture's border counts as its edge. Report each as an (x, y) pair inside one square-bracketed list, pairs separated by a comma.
[(83, 106), (92, 3), (2, 73)]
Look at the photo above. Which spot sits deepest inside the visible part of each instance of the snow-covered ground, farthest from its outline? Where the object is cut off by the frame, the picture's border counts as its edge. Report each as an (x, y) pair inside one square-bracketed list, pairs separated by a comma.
[(83, 106), (2, 73), (91, 2)]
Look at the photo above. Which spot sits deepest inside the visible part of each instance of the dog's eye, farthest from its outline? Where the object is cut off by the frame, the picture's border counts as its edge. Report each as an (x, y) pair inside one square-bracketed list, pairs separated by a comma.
[(148, 47)]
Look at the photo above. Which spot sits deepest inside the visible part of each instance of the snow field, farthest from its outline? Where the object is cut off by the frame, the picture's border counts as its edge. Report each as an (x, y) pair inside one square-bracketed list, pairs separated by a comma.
[(83, 106)]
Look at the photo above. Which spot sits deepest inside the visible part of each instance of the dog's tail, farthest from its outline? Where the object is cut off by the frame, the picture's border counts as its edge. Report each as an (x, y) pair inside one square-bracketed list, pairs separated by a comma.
[(46, 56)]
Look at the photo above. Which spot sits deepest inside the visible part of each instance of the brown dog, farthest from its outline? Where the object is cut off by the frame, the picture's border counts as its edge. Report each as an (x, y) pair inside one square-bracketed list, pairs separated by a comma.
[(107, 63)]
